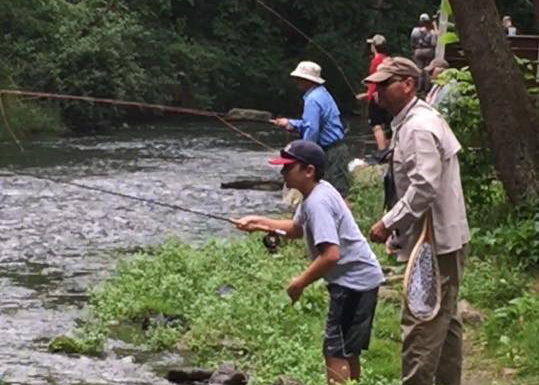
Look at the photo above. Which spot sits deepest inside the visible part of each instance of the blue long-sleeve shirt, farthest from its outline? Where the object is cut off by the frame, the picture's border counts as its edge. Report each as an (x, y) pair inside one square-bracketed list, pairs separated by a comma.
[(321, 120)]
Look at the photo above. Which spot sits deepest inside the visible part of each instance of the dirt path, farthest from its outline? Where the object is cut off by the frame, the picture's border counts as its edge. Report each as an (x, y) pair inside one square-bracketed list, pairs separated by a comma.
[(478, 368)]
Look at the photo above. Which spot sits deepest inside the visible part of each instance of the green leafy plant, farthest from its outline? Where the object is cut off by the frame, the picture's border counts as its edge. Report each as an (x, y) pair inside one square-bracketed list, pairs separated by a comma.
[(513, 333), (492, 281)]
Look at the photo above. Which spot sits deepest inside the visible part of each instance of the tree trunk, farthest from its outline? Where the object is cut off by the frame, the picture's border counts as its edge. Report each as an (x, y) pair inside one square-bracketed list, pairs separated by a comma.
[(511, 119)]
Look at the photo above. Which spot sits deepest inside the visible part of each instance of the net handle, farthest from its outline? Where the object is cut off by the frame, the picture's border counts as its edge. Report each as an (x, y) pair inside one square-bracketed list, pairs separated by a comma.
[(413, 255)]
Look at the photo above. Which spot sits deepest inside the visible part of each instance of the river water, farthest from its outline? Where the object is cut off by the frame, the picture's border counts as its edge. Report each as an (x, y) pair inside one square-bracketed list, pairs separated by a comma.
[(58, 241)]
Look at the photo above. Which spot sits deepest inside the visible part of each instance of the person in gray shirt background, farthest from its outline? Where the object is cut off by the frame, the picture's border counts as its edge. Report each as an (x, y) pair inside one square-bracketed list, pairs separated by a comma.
[(339, 252)]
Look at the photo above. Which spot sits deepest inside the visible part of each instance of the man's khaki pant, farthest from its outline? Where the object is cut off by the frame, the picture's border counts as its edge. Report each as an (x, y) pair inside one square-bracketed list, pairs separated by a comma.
[(432, 351)]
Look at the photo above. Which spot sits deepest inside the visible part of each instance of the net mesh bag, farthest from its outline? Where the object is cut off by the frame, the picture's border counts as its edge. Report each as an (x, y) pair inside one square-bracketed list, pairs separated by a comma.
[(423, 288)]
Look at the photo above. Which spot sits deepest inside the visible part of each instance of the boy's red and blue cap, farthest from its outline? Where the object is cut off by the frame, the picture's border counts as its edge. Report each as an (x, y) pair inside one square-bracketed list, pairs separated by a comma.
[(304, 151)]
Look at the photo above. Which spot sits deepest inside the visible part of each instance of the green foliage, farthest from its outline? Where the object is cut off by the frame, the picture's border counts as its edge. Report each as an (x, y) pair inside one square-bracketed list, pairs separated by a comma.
[(516, 235), (491, 281), (449, 38), (446, 7), (367, 197), (462, 112), (499, 230), (25, 117), (513, 333)]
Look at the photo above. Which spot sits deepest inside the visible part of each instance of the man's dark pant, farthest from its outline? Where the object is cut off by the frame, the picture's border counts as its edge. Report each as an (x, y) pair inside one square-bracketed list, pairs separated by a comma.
[(337, 157), (432, 350)]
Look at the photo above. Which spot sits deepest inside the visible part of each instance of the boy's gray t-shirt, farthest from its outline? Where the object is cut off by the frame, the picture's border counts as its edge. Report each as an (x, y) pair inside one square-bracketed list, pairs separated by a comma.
[(325, 218)]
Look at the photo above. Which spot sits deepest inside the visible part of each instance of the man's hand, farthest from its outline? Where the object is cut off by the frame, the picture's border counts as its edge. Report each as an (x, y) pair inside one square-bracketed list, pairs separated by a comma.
[(379, 233), (282, 122), (295, 289)]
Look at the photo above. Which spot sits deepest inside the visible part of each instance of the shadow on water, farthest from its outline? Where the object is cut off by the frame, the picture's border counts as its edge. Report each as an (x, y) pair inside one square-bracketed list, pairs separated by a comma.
[(58, 241)]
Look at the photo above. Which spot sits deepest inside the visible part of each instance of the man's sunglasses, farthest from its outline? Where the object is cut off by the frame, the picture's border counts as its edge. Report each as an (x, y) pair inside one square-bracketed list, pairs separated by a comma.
[(390, 81)]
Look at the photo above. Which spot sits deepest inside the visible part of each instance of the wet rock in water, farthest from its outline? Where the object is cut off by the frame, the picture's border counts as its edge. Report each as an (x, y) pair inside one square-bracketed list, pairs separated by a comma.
[(285, 380), (263, 185), (225, 291), (153, 320), (248, 114), (189, 375), (227, 374), (64, 344)]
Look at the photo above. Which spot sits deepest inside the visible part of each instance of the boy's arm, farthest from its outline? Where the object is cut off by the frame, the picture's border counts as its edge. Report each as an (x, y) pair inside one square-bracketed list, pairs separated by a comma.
[(326, 260), (259, 223)]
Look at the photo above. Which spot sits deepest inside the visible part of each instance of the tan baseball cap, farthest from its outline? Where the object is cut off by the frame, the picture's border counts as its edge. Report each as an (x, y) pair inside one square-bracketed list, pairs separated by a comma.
[(435, 63), (399, 66), (377, 40)]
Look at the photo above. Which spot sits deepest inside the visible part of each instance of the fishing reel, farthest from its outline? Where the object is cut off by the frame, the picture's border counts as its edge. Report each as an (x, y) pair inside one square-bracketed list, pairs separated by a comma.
[(272, 240)]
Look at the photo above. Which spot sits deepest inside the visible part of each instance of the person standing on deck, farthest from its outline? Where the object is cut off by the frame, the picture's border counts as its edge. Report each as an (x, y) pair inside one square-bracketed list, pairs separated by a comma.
[(320, 123)]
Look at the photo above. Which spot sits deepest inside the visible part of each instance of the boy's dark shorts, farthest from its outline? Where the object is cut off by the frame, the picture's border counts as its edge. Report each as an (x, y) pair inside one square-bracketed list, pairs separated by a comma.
[(377, 115), (349, 323)]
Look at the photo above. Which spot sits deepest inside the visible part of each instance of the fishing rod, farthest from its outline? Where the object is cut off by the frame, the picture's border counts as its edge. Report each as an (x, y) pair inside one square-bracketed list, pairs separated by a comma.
[(329, 55), (179, 110)]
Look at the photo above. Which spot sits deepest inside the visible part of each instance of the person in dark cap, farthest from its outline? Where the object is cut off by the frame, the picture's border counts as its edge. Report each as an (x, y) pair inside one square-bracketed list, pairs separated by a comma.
[(425, 176), (339, 252), (320, 123)]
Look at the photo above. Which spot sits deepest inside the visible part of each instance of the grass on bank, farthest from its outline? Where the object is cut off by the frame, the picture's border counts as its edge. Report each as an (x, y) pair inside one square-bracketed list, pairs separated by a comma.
[(29, 118), (228, 303)]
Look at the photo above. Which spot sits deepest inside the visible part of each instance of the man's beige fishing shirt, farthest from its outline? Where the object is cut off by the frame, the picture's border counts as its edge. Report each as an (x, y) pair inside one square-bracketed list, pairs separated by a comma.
[(427, 175)]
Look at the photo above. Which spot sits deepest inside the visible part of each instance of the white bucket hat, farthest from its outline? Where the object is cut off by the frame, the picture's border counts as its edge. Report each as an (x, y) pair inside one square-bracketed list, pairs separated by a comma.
[(424, 17), (308, 70)]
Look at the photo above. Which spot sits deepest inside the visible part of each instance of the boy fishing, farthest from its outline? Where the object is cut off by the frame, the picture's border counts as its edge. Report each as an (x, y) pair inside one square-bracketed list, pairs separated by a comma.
[(339, 253)]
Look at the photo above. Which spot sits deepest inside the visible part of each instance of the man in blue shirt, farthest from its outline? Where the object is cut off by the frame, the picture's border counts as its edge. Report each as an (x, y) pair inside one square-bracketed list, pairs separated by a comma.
[(320, 123)]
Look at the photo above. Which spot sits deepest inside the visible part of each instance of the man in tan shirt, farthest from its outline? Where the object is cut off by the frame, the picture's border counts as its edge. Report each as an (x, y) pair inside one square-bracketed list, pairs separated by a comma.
[(426, 176)]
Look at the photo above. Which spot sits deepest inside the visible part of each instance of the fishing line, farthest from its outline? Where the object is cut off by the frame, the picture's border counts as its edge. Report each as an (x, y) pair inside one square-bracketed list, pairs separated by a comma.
[(330, 56), (104, 191), (271, 240)]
